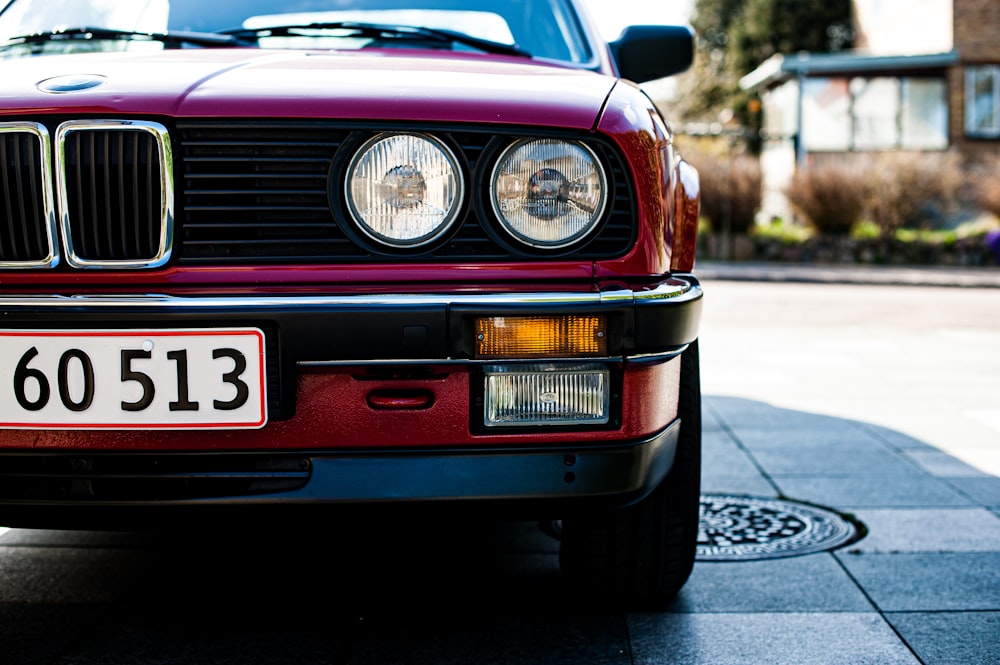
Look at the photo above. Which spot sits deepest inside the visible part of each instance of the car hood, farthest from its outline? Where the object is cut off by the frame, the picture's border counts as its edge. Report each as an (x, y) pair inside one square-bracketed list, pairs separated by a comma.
[(391, 85)]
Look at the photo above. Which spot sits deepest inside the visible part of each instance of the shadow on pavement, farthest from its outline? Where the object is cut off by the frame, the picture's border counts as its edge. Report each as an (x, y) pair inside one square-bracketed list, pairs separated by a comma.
[(474, 590)]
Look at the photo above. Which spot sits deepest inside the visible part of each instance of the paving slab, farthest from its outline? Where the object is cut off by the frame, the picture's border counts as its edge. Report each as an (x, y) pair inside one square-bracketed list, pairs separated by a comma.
[(940, 463), (735, 412), (983, 490), (739, 485), (893, 438), (766, 638), (46, 631), (65, 575), (846, 460), (721, 455), (950, 638), (928, 582), (813, 432), (929, 530), (851, 493), (812, 583), (459, 638)]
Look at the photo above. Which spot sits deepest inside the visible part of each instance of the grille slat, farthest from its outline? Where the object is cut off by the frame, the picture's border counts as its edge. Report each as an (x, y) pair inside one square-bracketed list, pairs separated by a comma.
[(259, 208), (22, 205), (259, 160)]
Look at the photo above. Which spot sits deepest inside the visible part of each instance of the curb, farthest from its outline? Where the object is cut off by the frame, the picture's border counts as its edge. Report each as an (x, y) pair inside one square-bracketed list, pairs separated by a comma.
[(987, 277)]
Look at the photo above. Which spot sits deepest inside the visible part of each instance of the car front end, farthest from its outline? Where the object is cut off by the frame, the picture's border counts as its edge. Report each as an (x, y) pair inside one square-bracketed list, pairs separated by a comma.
[(238, 278)]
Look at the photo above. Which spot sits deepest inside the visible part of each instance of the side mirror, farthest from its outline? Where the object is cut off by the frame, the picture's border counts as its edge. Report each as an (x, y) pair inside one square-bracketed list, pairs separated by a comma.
[(648, 52)]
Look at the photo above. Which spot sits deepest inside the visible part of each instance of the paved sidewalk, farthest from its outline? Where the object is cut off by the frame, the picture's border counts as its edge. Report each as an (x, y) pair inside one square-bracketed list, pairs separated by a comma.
[(882, 402), (923, 586), (988, 277)]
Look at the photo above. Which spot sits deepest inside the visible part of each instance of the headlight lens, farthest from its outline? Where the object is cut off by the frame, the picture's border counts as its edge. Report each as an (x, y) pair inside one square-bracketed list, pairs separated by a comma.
[(404, 190), (548, 193)]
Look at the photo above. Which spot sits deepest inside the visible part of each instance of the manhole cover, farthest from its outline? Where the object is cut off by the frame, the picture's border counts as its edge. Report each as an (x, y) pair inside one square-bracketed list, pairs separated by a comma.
[(739, 528)]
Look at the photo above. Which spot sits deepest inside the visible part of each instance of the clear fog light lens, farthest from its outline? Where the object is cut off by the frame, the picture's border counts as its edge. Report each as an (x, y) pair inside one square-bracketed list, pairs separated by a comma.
[(519, 395), (549, 193), (404, 190)]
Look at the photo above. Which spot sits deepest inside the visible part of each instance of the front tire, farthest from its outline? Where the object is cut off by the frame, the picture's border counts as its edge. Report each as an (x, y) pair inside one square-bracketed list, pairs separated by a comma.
[(642, 554)]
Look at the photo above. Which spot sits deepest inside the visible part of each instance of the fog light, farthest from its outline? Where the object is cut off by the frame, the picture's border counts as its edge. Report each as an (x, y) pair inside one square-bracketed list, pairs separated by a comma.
[(519, 395), (541, 336)]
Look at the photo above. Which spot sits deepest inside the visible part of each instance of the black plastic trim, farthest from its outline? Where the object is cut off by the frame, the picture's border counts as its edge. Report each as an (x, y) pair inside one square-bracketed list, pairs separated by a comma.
[(560, 477)]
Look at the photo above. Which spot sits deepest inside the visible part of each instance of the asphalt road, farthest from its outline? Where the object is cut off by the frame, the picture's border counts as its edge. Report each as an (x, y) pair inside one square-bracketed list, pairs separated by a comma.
[(880, 401)]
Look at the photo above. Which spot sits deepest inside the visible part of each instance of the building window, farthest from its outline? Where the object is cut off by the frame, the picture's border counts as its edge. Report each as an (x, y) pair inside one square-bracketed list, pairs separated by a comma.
[(982, 101), (826, 115), (874, 113), (924, 114)]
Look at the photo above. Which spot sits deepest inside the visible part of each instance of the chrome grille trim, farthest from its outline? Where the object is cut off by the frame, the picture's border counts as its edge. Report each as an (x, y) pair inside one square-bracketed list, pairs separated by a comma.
[(114, 181), (28, 227)]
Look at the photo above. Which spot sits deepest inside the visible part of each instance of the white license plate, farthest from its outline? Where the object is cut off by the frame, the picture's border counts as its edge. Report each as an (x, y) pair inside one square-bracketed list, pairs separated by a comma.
[(132, 379)]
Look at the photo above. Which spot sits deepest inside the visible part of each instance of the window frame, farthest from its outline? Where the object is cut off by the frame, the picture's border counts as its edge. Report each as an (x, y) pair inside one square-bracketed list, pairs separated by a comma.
[(972, 130)]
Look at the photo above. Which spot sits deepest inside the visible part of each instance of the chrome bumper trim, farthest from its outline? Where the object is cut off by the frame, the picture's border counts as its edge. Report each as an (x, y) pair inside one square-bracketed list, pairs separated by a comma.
[(674, 290)]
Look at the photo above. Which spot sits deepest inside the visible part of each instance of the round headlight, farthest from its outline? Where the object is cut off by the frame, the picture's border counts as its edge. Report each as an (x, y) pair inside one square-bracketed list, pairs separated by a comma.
[(404, 190), (548, 193)]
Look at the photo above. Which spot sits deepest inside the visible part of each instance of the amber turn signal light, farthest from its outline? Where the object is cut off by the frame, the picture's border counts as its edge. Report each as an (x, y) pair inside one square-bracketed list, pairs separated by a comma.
[(569, 336)]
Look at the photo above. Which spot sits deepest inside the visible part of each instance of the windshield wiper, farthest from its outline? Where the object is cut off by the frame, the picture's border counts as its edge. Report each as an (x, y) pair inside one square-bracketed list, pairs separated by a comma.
[(84, 33), (378, 31)]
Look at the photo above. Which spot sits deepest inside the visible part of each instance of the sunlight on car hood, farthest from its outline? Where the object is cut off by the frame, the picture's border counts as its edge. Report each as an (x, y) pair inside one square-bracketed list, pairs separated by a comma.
[(393, 84)]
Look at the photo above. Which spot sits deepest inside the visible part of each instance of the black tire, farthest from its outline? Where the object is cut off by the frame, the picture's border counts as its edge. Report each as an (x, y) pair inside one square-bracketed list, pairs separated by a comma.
[(642, 554)]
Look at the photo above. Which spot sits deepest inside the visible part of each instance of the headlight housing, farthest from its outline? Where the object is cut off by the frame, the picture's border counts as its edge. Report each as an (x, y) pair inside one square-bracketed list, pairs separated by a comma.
[(404, 190), (548, 193)]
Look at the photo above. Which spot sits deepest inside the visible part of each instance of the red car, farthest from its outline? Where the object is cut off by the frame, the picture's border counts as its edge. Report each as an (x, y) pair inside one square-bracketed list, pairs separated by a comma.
[(262, 255)]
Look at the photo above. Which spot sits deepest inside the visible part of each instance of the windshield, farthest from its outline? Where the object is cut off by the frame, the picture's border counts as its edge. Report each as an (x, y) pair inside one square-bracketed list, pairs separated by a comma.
[(547, 29)]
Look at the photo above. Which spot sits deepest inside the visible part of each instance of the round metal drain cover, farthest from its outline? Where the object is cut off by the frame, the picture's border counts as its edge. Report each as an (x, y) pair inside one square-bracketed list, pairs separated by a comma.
[(740, 528)]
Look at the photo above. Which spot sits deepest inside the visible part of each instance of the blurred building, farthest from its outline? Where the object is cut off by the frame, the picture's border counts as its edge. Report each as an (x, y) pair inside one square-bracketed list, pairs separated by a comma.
[(924, 76)]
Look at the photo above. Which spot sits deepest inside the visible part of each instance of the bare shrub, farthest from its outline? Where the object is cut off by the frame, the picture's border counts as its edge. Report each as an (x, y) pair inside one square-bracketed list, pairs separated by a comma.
[(914, 190), (830, 196), (730, 190)]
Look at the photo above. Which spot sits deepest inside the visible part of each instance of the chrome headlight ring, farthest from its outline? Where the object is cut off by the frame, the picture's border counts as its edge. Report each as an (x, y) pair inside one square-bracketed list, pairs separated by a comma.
[(404, 190), (548, 193)]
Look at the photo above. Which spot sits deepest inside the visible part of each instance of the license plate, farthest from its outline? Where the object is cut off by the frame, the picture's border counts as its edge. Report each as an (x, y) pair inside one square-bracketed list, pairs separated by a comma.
[(132, 379)]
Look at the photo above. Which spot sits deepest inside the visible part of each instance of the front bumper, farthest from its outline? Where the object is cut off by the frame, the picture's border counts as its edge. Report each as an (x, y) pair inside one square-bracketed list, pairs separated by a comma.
[(324, 446), (304, 329)]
